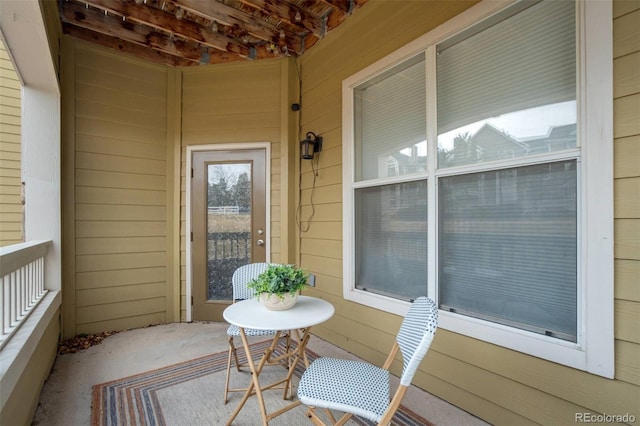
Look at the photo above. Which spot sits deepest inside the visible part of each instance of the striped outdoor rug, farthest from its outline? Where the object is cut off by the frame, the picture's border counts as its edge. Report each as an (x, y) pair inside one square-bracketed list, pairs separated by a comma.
[(190, 393)]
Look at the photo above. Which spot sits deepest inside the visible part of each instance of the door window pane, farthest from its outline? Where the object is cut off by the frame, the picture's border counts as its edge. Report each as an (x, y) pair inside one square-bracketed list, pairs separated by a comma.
[(508, 90), (228, 225), (391, 239), (508, 250), (390, 115)]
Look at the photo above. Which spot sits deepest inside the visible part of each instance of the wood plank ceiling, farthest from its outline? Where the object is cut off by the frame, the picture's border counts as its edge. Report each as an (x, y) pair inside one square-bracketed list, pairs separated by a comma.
[(200, 32)]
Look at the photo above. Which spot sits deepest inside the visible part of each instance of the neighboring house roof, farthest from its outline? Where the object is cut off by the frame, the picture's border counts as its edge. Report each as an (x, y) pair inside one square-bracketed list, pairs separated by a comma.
[(496, 143), (557, 138), (489, 136), (408, 163)]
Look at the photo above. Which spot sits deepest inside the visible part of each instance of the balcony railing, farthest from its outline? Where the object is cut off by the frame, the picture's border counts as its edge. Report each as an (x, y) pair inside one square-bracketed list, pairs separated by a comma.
[(226, 252), (21, 284)]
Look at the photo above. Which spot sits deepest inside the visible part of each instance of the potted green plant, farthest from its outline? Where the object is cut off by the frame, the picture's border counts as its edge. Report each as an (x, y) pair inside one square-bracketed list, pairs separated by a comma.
[(278, 286)]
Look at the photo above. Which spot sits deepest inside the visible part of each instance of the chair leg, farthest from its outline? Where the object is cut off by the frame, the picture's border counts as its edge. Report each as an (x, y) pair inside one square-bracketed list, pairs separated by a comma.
[(330, 415), (344, 419), (393, 406), (233, 349), (289, 363), (313, 416), (232, 353), (311, 413), (226, 382)]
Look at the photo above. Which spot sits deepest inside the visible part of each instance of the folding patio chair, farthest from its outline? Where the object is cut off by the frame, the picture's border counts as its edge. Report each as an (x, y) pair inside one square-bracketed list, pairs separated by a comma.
[(240, 279), (360, 388)]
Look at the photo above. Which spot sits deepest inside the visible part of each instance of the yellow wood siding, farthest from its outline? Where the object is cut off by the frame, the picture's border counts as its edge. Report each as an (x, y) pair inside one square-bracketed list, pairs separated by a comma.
[(234, 103), (119, 205), (499, 385), (626, 92), (10, 180)]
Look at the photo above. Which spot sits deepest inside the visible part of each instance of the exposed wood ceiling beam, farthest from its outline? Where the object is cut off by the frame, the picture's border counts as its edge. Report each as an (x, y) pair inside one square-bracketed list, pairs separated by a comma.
[(191, 32), (167, 22), (290, 14), (126, 30), (229, 16), (119, 45)]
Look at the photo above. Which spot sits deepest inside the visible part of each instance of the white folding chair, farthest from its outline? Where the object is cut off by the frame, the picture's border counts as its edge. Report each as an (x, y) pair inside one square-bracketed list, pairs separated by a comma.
[(360, 388), (240, 279)]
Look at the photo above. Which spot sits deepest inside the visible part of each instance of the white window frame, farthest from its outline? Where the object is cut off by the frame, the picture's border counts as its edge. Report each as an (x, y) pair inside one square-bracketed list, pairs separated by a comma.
[(594, 349)]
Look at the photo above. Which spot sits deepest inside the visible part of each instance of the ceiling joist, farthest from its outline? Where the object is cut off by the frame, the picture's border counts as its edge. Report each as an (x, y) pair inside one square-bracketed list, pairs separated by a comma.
[(228, 16), (196, 32)]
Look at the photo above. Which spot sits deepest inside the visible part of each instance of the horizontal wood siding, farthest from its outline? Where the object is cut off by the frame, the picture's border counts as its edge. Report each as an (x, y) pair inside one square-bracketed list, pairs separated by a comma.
[(232, 103), (10, 152), (120, 192), (626, 93), (497, 384)]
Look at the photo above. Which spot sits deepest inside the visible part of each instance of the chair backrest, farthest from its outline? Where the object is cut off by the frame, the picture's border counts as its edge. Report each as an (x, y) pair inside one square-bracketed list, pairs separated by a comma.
[(415, 336), (241, 278)]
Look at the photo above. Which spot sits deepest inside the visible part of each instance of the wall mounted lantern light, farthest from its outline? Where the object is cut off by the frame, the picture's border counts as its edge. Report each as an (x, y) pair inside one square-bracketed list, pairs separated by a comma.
[(310, 145)]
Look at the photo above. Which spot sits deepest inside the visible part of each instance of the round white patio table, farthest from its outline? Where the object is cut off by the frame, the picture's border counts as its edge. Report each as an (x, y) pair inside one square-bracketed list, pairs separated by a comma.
[(250, 313)]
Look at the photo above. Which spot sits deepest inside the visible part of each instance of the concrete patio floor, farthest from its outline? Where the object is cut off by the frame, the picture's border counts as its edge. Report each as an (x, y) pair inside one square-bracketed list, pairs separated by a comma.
[(66, 396)]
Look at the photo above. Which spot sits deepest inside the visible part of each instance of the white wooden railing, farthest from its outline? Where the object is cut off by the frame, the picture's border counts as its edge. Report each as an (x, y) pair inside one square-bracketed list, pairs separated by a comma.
[(224, 210), (21, 284)]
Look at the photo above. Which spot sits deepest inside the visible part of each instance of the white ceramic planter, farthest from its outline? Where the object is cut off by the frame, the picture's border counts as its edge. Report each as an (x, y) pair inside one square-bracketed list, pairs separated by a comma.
[(274, 302)]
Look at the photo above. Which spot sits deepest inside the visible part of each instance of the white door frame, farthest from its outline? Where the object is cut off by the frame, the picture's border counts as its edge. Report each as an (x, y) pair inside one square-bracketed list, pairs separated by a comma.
[(188, 228)]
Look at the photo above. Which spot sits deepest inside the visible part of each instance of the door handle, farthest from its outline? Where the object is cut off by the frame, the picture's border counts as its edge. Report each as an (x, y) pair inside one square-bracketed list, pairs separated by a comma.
[(260, 243)]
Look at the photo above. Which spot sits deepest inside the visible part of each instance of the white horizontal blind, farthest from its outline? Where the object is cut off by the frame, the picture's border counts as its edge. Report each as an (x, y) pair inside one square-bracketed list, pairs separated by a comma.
[(391, 239), (508, 247), (391, 125), (507, 239), (525, 61)]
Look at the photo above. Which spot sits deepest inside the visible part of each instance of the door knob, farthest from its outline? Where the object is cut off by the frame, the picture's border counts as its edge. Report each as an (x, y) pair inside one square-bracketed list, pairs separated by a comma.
[(260, 243)]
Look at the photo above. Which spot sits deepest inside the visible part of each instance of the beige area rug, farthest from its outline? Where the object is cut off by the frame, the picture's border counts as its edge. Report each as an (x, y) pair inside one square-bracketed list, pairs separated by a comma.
[(191, 393)]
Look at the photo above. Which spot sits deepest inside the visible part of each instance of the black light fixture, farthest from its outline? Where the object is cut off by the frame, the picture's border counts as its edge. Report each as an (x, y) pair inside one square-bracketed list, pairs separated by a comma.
[(310, 145)]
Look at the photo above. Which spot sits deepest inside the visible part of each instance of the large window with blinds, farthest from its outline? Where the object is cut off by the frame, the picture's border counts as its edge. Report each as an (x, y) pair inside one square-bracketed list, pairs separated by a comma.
[(469, 175), (391, 211), (507, 232)]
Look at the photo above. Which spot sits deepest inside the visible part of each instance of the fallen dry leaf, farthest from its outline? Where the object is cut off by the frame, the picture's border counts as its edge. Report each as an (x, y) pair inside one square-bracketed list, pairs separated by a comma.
[(82, 342)]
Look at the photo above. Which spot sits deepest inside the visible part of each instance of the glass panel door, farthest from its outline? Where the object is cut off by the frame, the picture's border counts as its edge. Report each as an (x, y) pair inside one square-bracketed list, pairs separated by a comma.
[(228, 224)]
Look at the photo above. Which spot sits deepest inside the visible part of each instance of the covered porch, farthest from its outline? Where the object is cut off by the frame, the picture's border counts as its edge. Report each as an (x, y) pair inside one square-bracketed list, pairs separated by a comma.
[(107, 138), (67, 394)]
